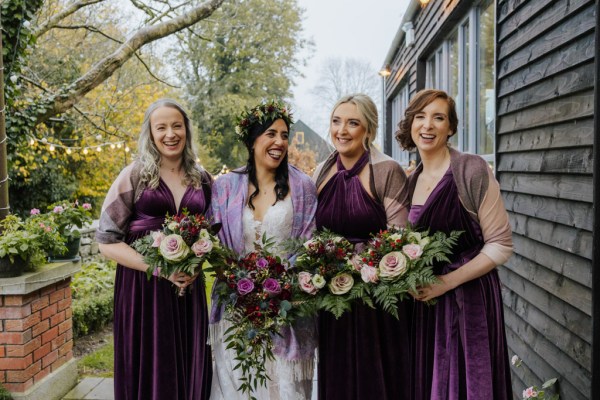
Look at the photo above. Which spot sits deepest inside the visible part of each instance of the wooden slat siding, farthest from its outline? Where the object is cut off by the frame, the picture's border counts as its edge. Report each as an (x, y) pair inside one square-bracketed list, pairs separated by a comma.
[(570, 161), (574, 133), (560, 186), (509, 23), (567, 82), (555, 284), (505, 8), (572, 345), (559, 36), (563, 313), (541, 367), (562, 109), (565, 212), (533, 20), (573, 240), (570, 266), (579, 51)]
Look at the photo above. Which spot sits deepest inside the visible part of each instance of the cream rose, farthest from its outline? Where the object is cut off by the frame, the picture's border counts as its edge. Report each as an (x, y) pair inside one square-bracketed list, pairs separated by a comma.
[(318, 281), (158, 237), (173, 248), (341, 284), (392, 265)]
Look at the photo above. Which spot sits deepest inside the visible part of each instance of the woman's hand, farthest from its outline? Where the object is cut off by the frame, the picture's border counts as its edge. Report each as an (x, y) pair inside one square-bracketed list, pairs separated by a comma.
[(426, 293), (181, 279)]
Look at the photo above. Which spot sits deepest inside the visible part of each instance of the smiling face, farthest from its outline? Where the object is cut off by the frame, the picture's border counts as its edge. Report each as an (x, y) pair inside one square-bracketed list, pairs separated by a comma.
[(430, 128), (348, 131), (168, 132), (270, 148)]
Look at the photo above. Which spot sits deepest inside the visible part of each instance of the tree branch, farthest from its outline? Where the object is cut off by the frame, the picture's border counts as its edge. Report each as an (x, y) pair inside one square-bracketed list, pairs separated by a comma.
[(102, 70), (55, 19)]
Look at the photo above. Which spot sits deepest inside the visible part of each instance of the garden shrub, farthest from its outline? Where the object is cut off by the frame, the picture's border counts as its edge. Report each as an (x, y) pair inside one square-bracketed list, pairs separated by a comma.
[(93, 291)]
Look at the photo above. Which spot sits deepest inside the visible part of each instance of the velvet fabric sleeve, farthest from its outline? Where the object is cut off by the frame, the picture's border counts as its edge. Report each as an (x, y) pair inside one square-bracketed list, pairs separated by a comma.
[(118, 207)]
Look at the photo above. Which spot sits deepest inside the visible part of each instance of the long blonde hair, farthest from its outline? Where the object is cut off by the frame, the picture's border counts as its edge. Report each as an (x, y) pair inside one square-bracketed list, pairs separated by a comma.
[(149, 156)]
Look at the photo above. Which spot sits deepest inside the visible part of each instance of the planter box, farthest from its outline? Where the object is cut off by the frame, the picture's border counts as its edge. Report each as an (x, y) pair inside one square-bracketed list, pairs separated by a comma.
[(36, 336)]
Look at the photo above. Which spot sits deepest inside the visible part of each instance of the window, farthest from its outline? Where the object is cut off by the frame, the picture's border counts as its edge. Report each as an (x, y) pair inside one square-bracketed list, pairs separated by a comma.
[(463, 66), (399, 104)]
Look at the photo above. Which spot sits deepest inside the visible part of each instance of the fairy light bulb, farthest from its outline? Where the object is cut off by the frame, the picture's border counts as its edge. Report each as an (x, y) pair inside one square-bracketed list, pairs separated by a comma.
[(31, 142), (85, 151), (98, 149), (69, 150), (112, 145), (52, 148), (118, 145), (126, 149)]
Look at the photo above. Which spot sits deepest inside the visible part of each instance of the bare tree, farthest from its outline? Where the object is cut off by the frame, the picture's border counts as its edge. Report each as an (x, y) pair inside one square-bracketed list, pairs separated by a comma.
[(339, 77)]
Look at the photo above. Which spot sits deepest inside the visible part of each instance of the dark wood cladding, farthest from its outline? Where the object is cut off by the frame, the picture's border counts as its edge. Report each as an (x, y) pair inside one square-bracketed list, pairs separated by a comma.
[(545, 161), (545, 104)]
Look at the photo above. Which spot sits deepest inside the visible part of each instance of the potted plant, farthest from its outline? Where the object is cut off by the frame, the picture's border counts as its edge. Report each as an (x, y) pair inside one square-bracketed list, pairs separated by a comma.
[(25, 244), (69, 218)]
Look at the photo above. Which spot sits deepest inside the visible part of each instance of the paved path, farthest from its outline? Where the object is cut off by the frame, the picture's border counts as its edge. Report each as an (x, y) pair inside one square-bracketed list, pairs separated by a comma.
[(102, 389)]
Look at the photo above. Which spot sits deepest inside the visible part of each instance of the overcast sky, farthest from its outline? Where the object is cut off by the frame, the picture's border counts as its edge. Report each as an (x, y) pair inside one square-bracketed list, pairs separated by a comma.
[(343, 28)]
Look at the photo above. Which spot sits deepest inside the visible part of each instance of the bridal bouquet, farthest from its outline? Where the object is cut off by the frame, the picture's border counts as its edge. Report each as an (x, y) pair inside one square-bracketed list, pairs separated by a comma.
[(398, 261), (325, 278), (184, 244), (256, 291)]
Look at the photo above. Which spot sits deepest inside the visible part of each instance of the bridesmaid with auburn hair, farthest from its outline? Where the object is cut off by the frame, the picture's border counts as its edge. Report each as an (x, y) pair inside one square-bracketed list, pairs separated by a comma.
[(459, 343), (363, 354)]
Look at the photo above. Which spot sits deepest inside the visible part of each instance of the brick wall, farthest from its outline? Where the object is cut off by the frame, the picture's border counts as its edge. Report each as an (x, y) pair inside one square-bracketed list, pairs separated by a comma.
[(36, 335)]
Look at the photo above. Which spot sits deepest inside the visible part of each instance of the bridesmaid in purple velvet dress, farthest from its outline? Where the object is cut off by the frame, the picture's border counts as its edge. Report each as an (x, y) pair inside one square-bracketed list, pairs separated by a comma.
[(459, 343), (364, 354), (160, 337)]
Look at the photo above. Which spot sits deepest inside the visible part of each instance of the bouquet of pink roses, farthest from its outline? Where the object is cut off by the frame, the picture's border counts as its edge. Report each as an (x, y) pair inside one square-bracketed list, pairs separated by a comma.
[(398, 261), (256, 292), (184, 244), (326, 278)]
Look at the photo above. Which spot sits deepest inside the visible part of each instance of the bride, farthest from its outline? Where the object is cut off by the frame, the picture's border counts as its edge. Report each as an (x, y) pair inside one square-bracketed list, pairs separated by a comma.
[(270, 197)]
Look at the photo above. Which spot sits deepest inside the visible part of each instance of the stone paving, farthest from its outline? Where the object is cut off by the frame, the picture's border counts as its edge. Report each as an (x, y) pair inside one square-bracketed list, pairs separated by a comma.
[(102, 389)]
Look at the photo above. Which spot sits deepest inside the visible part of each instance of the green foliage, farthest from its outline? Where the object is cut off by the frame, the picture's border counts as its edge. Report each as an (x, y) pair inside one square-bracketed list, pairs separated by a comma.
[(93, 292), (99, 363), (67, 216), (4, 394), (242, 57), (31, 240)]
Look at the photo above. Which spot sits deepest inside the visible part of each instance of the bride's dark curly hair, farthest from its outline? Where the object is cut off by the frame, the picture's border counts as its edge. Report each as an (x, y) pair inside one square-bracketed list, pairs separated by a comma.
[(282, 187), (421, 100)]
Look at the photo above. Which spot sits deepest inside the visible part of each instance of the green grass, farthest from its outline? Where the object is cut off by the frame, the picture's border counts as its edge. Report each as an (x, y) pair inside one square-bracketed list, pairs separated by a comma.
[(4, 394), (99, 363)]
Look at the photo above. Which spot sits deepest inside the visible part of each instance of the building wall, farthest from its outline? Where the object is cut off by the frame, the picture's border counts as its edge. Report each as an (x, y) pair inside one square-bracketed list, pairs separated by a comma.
[(544, 162), (545, 106)]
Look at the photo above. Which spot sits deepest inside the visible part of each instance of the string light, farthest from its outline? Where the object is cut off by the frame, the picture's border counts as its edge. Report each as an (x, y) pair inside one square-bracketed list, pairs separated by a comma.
[(52, 148), (98, 149), (69, 149), (126, 149), (85, 151)]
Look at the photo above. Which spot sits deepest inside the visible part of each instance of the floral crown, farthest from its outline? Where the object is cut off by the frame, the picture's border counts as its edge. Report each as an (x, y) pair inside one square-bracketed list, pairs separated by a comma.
[(269, 111)]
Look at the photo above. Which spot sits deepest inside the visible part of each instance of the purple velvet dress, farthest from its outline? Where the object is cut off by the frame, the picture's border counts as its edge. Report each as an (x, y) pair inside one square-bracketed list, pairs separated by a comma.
[(459, 344), (364, 354), (160, 338)]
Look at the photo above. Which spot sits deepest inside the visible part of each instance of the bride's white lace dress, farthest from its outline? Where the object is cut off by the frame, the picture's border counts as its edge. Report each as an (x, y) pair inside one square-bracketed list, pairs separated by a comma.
[(290, 380)]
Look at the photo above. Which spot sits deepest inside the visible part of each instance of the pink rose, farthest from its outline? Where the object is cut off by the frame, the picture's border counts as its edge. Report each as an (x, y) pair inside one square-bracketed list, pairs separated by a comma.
[(413, 251), (529, 393), (392, 265), (34, 211), (341, 284), (87, 206), (356, 262), (58, 209), (158, 237), (305, 282), (369, 274), (201, 247)]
